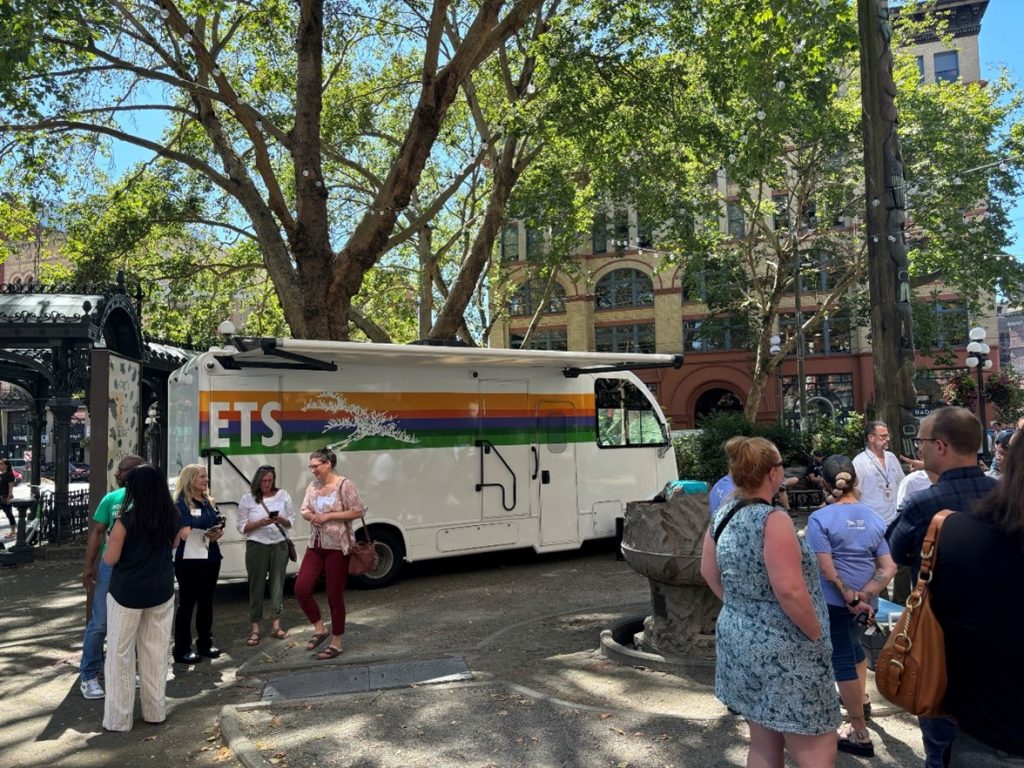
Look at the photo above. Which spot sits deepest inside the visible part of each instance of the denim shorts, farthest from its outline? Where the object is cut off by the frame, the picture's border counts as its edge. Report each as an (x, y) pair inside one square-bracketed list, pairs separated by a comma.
[(847, 652)]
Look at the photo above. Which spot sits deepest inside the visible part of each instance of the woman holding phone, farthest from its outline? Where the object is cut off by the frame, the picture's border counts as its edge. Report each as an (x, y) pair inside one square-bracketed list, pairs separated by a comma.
[(196, 565), (264, 517)]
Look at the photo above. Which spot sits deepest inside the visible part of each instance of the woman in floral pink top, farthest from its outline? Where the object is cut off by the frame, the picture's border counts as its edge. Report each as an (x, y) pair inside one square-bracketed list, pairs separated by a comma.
[(330, 505)]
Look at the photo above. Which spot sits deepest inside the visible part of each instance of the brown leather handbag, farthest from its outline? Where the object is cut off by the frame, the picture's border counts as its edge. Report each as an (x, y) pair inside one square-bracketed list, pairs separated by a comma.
[(911, 668), (362, 558)]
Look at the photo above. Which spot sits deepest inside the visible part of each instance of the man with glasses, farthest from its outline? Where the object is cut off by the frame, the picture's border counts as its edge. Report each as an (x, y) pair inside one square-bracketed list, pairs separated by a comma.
[(948, 441), (879, 472)]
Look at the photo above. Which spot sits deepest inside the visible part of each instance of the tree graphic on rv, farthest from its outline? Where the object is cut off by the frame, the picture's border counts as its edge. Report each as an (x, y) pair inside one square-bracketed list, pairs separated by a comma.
[(357, 421)]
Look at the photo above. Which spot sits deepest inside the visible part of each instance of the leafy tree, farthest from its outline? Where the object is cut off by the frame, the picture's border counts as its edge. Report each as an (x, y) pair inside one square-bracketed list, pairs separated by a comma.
[(788, 140), (309, 125)]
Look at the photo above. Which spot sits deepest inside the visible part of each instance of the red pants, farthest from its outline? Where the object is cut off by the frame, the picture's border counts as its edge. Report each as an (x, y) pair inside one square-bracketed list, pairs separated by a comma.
[(314, 563)]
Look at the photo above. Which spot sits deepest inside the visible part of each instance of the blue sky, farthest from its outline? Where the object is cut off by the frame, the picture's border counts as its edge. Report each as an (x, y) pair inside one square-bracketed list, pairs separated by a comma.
[(1001, 44)]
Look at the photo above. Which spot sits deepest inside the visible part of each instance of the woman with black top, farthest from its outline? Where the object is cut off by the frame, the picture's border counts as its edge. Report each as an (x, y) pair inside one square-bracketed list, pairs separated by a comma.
[(974, 595), (197, 575), (140, 602), (7, 493)]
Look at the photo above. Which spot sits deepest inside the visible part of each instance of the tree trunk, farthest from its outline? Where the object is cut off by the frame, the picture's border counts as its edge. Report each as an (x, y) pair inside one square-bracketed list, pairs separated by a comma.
[(426, 257)]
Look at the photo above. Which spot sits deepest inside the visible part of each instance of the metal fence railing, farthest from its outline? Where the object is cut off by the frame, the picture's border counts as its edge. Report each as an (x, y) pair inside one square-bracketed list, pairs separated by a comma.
[(58, 525), (805, 500)]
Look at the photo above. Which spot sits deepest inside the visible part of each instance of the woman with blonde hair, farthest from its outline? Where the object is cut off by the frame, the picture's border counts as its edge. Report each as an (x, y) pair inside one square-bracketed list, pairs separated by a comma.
[(197, 569), (773, 655)]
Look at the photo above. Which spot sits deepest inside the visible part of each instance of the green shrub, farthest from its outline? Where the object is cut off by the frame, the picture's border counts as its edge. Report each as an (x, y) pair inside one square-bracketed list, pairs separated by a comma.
[(699, 455), (687, 455), (844, 437)]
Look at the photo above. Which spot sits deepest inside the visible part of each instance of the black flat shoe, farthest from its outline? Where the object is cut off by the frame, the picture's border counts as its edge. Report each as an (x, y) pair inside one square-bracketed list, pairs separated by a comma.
[(188, 658), (853, 743), (211, 653)]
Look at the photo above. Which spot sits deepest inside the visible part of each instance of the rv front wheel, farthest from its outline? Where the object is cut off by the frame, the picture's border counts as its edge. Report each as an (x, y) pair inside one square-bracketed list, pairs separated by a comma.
[(390, 554)]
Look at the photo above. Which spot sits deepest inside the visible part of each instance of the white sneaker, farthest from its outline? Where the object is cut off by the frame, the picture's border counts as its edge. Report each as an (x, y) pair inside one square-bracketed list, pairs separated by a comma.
[(91, 689)]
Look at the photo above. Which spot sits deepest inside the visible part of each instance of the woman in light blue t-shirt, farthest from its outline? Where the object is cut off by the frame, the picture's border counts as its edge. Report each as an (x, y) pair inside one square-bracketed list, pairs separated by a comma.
[(848, 538)]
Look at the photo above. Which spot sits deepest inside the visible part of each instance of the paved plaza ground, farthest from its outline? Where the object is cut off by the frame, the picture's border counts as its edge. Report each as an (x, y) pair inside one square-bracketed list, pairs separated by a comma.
[(473, 662)]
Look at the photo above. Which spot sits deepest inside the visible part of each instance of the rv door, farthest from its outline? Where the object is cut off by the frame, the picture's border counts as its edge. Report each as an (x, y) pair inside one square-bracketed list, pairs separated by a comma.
[(553, 472)]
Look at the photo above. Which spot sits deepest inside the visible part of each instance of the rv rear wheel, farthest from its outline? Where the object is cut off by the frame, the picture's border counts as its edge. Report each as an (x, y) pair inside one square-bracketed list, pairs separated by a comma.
[(390, 552)]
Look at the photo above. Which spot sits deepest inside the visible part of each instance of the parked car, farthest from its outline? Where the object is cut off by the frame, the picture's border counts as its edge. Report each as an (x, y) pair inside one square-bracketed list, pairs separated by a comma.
[(78, 472)]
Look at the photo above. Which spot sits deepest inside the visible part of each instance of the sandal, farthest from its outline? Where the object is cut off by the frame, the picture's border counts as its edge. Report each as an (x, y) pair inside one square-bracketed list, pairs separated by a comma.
[(254, 639), (279, 634), (315, 640), (330, 652), (853, 743)]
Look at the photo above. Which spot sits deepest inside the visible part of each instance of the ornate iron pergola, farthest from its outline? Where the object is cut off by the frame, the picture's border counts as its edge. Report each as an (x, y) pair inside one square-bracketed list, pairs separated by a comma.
[(47, 335)]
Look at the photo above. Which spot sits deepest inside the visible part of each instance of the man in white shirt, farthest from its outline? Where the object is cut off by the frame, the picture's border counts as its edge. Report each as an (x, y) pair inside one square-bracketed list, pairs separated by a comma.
[(879, 472)]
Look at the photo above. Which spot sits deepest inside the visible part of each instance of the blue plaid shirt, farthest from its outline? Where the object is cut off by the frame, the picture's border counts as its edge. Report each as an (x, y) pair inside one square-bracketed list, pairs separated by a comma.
[(957, 489)]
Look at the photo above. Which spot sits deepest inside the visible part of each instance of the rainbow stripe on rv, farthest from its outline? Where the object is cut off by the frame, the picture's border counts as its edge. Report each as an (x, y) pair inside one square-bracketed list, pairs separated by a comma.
[(247, 422)]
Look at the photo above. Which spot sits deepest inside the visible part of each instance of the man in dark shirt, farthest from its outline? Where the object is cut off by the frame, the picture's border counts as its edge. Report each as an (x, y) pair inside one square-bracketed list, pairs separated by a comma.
[(948, 440)]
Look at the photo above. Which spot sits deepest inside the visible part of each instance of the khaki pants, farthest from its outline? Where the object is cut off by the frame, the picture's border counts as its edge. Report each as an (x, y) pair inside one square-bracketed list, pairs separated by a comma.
[(147, 630)]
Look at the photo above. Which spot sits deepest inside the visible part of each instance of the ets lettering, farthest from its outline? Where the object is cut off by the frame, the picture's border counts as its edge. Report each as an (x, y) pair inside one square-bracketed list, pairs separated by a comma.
[(220, 423)]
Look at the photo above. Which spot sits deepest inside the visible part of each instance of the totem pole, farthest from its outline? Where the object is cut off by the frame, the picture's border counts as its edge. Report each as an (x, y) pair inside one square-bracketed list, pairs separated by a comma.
[(892, 338)]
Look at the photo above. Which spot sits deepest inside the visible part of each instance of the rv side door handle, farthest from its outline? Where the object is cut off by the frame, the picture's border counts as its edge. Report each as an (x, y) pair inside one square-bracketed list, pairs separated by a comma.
[(545, 477), (536, 461)]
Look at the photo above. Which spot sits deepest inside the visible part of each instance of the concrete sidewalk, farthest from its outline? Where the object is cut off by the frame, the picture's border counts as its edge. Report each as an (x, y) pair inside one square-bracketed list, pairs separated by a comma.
[(496, 657), (532, 689)]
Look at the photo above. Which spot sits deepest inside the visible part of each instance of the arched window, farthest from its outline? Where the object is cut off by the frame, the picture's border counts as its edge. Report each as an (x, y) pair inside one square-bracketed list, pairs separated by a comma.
[(624, 288), (526, 299)]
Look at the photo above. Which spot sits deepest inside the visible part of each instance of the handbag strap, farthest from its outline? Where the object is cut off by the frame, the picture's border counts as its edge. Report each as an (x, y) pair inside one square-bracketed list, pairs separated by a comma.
[(279, 526), (729, 515), (930, 549), (366, 530)]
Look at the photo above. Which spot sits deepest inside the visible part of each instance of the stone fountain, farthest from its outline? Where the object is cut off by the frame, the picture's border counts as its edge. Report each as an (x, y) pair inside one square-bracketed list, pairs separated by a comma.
[(663, 541)]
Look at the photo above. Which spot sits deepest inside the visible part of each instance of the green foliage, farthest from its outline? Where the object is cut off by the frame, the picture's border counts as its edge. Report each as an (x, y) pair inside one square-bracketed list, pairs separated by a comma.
[(699, 455), (687, 451), (961, 389), (840, 436), (1005, 391), (17, 220)]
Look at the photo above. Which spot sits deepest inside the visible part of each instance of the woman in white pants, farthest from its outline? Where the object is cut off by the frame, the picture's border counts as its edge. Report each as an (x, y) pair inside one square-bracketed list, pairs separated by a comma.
[(140, 603)]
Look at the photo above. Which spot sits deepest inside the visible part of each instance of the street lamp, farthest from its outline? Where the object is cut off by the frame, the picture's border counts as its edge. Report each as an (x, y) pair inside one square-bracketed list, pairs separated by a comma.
[(774, 349), (978, 360)]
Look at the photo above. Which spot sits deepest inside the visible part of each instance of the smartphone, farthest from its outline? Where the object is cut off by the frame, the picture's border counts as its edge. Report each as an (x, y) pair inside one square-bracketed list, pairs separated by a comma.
[(272, 514), (219, 525)]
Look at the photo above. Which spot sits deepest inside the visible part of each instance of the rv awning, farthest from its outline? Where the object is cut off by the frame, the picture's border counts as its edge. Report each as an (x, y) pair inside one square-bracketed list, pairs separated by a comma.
[(290, 353)]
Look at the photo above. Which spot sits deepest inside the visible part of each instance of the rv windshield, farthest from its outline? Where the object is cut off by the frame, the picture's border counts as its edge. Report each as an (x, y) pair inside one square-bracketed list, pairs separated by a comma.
[(625, 416)]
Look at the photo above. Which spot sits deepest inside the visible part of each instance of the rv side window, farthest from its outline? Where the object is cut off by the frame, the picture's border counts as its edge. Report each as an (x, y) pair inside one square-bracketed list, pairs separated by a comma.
[(625, 417), (554, 431)]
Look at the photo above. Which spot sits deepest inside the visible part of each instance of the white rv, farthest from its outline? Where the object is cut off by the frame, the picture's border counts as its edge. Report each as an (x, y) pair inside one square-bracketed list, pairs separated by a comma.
[(454, 450)]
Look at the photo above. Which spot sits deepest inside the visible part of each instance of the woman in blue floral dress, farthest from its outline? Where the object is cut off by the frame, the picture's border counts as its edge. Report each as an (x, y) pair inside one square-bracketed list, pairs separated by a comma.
[(774, 657)]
